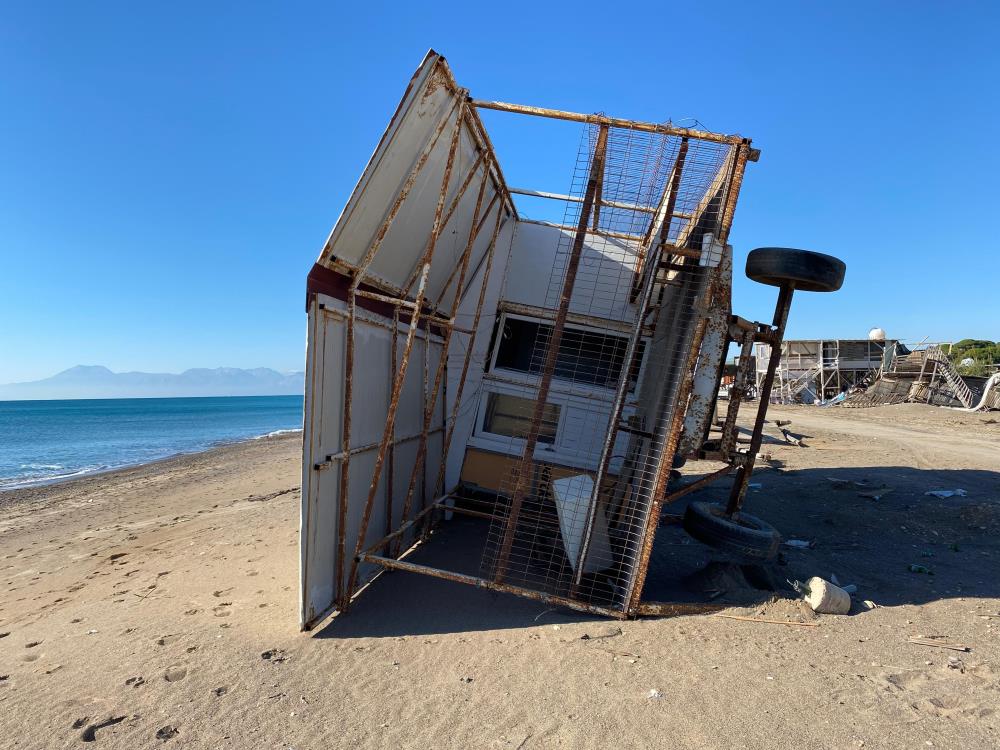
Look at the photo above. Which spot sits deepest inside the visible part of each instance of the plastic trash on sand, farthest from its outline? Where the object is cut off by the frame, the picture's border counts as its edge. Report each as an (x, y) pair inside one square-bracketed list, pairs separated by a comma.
[(945, 494), (823, 597)]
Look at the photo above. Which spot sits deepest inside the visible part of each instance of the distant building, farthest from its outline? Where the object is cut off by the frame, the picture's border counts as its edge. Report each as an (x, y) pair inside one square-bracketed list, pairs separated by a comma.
[(820, 369)]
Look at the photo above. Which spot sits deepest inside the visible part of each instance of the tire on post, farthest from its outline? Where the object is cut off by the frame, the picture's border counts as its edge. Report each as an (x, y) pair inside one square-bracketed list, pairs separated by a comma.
[(803, 270)]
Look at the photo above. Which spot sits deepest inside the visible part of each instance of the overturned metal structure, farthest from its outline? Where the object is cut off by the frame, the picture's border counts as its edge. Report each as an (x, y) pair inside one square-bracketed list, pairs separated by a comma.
[(925, 375), (540, 375)]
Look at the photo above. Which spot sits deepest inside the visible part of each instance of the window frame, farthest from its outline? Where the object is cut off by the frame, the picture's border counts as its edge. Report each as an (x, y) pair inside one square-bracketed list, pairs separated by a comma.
[(564, 385)]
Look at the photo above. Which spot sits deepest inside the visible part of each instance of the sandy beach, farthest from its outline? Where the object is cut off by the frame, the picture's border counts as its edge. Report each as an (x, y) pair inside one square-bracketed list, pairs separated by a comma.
[(158, 606)]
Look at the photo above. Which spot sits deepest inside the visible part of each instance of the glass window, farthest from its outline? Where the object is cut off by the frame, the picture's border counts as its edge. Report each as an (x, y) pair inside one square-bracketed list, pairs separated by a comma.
[(511, 416), (584, 356)]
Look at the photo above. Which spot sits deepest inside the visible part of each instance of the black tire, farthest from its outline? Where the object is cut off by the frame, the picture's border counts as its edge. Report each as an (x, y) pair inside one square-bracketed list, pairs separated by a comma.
[(743, 535), (800, 269)]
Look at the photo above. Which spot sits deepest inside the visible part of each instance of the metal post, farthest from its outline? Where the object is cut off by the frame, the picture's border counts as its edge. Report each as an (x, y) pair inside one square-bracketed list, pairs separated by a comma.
[(737, 393), (763, 397), (397, 386)]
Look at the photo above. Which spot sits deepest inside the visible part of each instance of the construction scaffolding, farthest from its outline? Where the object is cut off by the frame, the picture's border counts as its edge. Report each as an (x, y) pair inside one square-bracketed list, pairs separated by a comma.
[(813, 370)]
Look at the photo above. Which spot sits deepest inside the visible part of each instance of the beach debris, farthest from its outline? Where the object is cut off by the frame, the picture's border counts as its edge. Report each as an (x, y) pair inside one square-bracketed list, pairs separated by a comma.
[(135, 681), (945, 494), (921, 640), (766, 621), (755, 486), (166, 732), (220, 691), (875, 494), (799, 543), (654, 695), (609, 632), (465, 679), (955, 663), (824, 597), (871, 605), (914, 568)]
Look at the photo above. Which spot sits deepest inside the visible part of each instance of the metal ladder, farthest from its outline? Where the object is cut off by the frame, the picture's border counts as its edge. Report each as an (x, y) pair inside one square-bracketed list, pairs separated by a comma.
[(943, 366)]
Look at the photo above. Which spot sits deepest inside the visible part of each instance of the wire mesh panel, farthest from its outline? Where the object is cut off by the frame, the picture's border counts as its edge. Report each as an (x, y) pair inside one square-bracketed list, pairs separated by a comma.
[(595, 430)]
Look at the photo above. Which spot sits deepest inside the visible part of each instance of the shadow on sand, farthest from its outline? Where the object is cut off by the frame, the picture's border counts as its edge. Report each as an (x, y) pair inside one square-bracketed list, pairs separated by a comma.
[(871, 543)]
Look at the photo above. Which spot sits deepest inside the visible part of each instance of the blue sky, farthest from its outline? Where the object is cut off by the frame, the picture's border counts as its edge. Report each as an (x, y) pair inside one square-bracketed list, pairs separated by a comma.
[(170, 171)]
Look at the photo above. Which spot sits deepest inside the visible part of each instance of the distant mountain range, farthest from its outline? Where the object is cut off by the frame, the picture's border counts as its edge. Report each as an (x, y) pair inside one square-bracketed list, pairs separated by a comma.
[(94, 381)]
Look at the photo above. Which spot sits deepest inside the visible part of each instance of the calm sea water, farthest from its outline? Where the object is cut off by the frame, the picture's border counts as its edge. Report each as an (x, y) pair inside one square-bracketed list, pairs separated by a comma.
[(42, 441)]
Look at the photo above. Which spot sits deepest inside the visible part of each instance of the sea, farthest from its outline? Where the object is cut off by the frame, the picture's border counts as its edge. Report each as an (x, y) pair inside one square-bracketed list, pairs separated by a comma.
[(48, 441)]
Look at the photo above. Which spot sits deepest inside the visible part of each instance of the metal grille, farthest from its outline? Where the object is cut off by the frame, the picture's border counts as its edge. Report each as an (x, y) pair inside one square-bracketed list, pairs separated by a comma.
[(596, 433)]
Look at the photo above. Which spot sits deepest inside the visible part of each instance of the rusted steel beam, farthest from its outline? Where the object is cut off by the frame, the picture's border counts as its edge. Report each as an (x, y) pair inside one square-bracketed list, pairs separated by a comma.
[(465, 186), (677, 609), (646, 249), (667, 202), (419, 460), (733, 190), (357, 450), (745, 470), (449, 434), (598, 195), (397, 385), (483, 583), (404, 191), (396, 301), (665, 464), (638, 208), (615, 122), (697, 484), (390, 469), (587, 230), (454, 271), (482, 139), (549, 366), (711, 358), (345, 443), (398, 533), (737, 393), (545, 313)]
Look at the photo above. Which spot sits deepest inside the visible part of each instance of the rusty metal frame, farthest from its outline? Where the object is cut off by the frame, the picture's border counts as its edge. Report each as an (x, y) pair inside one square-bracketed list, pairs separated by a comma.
[(549, 366), (427, 313)]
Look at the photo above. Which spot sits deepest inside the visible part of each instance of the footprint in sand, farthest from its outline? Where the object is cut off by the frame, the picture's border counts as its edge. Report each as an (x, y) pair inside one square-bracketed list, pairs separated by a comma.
[(165, 733), (32, 644), (222, 610), (135, 681), (90, 733), (175, 674), (31, 657)]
